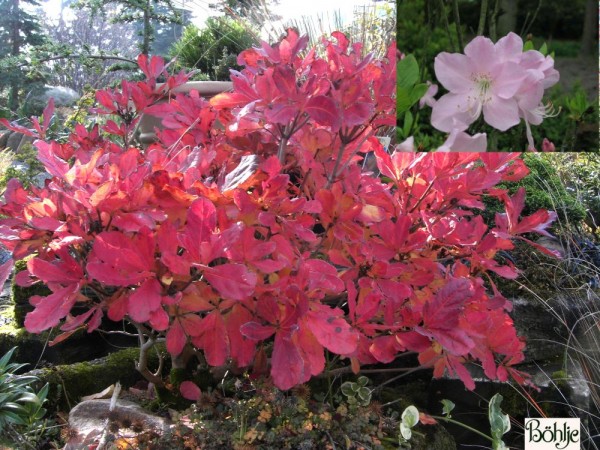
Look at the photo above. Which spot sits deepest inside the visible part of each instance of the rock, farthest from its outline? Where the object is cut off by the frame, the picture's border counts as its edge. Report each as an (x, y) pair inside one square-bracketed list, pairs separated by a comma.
[(86, 378), (562, 394), (14, 141), (4, 139), (88, 420), (540, 328), (37, 99)]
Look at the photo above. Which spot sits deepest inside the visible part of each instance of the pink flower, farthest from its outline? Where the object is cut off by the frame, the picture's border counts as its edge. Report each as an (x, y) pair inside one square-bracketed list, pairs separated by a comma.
[(459, 141), (406, 146), (548, 146), (428, 99), (484, 79)]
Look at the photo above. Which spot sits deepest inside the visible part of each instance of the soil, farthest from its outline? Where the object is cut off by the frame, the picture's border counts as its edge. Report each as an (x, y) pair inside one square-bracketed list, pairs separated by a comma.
[(583, 69)]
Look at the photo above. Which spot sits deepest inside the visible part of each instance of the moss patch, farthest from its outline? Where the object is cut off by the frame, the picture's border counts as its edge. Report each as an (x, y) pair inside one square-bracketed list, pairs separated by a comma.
[(68, 383), (21, 295)]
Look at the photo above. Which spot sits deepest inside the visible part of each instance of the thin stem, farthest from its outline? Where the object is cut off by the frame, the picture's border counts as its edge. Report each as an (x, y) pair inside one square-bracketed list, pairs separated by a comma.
[(528, 23), (482, 16), (455, 422), (142, 365), (101, 57), (281, 149), (461, 44), (447, 24), (493, 21), (333, 175), (344, 370)]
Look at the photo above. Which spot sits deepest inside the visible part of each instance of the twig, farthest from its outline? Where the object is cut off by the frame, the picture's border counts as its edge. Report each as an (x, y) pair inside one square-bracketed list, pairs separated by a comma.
[(461, 44), (77, 56), (493, 21), (482, 16), (142, 363), (528, 23), (447, 24)]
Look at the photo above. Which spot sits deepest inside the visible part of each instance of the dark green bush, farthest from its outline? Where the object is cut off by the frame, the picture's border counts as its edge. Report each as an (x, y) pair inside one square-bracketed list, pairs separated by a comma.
[(212, 50), (545, 190)]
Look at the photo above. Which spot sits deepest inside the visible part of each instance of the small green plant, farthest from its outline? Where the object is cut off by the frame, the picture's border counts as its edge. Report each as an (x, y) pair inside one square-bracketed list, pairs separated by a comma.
[(21, 408), (499, 422), (357, 392), (409, 419)]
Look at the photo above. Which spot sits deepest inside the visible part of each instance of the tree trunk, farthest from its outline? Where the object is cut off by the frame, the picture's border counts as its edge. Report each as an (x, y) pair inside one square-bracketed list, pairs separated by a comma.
[(507, 22), (590, 29), (147, 29)]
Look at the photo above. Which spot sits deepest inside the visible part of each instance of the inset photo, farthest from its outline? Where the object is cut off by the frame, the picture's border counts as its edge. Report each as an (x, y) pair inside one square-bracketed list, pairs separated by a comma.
[(497, 75)]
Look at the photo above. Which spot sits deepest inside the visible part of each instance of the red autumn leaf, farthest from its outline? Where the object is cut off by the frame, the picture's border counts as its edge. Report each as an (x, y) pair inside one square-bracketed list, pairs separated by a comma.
[(5, 271), (242, 349), (287, 365), (61, 337), (256, 331), (144, 300), (63, 271), (322, 275), (213, 339), (230, 100), (232, 281), (357, 114), (190, 390), (285, 80), (176, 339), (323, 110), (51, 309), (120, 260), (331, 330), (47, 156), (426, 419), (191, 324)]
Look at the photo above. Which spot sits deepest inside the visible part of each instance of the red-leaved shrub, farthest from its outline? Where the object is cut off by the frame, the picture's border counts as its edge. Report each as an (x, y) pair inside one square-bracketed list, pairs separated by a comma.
[(250, 229)]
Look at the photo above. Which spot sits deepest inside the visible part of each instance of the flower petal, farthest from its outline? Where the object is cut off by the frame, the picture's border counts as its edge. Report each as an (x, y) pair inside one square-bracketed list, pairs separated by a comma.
[(501, 113), (453, 71), (508, 79), (452, 111), (510, 47), (482, 55), (459, 141)]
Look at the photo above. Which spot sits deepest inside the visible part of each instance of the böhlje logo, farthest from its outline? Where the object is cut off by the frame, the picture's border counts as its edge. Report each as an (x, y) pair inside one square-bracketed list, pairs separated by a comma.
[(552, 434)]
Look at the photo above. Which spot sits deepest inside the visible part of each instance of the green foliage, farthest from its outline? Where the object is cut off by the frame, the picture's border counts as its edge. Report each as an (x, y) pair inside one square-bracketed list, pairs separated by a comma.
[(257, 415), (408, 93), (21, 408), (27, 155), (447, 407), (213, 50), (499, 422), (419, 31), (580, 173), (145, 14), (357, 393), (19, 32), (545, 189), (409, 419)]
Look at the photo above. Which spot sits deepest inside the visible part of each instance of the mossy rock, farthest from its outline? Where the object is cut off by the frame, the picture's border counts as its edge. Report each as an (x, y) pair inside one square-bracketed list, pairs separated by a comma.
[(68, 383), (21, 295), (34, 349), (544, 190), (432, 437)]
